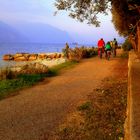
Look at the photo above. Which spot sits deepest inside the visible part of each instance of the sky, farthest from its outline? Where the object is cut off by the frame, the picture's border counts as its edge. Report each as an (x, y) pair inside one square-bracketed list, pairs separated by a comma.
[(42, 11)]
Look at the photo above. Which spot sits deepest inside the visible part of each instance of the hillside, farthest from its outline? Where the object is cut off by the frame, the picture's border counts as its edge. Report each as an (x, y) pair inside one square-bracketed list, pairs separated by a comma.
[(43, 33), (8, 34), (33, 33)]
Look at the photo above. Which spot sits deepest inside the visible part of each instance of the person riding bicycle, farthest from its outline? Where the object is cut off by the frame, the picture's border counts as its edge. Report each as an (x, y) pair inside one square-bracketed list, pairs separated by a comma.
[(114, 46), (107, 48), (101, 45)]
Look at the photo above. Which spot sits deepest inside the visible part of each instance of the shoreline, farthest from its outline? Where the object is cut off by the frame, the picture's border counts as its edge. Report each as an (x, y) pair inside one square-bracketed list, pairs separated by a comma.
[(49, 61)]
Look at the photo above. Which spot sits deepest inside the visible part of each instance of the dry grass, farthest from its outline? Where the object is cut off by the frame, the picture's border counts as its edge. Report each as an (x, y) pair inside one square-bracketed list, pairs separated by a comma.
[(100, 118)]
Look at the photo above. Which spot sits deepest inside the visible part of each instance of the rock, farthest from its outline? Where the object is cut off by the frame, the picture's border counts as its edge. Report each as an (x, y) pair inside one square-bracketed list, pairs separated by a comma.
[(54, 55), (58, 55), (35, 68), (63, 55), (20, 58), (18, 55), (32, 57), (27, 55), (7, 57), (50, 56), (42, 56)]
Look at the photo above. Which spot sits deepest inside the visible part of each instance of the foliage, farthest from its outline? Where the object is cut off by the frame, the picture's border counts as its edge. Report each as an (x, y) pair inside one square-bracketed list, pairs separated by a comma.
[(102, 117), (85, 106), (65, 50), (6, 73), (10, 85), (78, 53), (125, 12), (13, 81), (127, 46), (54, 71)]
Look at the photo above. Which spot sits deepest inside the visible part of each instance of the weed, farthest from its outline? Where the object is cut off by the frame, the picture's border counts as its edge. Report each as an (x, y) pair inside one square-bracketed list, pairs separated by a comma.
[(84, 106), (12, 81), (125, 54)]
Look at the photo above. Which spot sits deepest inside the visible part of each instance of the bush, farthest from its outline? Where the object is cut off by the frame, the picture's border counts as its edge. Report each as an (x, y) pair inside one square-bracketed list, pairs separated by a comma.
[(127, 46), (77, 53), (7, 73)]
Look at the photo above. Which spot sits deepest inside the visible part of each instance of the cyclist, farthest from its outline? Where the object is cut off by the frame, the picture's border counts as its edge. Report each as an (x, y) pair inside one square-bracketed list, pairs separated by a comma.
[(101, 45), (114, 46), (107, 50)]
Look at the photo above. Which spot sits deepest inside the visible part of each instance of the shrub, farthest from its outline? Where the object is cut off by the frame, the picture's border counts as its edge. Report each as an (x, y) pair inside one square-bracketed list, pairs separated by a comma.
[(6, 73), (127, 46), (77, 53), (84, 106)]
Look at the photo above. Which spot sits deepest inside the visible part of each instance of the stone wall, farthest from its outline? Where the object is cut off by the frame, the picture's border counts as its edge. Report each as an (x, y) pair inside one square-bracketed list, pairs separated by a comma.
[(132, 124)]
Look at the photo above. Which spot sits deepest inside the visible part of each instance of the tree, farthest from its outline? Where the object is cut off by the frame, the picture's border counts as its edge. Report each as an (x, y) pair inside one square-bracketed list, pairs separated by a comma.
[(126, 14)]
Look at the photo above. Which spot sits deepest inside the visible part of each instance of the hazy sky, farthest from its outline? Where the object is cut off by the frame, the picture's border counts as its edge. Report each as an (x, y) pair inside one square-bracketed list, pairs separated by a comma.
[(15, 11)]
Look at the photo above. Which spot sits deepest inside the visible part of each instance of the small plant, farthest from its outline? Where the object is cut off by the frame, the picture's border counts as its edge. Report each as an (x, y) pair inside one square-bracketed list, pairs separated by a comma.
[(6, 73), (127, 46), (84, 106), (28, 76), (124, 55)]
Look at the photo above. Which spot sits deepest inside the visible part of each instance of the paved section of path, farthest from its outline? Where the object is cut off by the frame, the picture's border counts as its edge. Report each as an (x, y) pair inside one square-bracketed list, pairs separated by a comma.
[(39, 109)]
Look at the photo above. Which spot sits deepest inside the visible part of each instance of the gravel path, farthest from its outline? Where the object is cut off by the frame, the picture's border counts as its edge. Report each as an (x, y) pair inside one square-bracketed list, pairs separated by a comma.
[(39, 109)]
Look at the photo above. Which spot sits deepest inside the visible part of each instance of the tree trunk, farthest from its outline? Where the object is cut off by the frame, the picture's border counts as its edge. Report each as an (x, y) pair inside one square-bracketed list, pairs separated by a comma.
[(138, 36), (133, 42)]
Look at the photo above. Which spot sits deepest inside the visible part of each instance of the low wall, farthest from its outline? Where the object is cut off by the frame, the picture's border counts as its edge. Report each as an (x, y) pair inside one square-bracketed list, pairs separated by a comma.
[(132, 124)]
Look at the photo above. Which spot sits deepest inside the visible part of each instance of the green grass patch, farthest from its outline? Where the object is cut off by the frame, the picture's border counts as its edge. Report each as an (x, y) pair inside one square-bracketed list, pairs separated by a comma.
[(84, 106), (9, 86), (55, 70)]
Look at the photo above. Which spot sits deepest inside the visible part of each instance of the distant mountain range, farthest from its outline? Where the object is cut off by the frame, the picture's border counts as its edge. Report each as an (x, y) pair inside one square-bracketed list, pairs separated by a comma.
[(32, 33)]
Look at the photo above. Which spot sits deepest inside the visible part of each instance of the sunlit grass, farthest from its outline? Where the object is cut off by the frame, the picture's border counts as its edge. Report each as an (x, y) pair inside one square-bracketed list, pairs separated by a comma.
[(9, 86)]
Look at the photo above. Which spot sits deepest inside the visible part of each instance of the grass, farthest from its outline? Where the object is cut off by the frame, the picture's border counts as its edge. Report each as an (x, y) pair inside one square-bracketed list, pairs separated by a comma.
[(101, 117), (8, 87), (54, 71), (125, 54), (84, 106)]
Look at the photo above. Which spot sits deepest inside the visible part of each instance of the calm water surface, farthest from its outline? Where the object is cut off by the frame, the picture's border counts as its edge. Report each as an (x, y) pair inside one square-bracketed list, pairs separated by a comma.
[(12, 48)]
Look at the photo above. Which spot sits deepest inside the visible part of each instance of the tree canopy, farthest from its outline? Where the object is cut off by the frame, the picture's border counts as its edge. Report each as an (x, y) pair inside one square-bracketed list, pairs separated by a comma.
[(125, 13)]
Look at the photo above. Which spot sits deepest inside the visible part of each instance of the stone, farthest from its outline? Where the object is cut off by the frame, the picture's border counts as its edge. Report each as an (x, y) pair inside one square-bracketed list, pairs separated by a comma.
[(34, 68), (7, 57), (32, 57), (42, 56), (20, 58)]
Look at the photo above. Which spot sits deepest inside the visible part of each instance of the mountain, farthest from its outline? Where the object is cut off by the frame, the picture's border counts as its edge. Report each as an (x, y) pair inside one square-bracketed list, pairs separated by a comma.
[(8, 34), (33, 33), (43, 33)]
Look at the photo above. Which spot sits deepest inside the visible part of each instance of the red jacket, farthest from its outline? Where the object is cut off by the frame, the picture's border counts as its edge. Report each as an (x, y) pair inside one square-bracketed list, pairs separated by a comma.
[(101, 43)]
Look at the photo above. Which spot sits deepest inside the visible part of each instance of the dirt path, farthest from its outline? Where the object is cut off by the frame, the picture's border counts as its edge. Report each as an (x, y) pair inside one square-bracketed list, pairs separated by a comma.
[(40, 109)]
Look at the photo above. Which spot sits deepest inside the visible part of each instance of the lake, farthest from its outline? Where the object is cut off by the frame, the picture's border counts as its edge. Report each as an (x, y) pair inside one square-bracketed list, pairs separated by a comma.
[(12, 48)]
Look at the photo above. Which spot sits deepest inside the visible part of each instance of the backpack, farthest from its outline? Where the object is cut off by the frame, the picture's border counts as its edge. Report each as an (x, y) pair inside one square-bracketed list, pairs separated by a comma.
[(114, 44)]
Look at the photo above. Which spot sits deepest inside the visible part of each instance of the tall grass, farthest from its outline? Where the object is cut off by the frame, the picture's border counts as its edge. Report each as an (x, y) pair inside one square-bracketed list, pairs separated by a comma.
[(13, 82)]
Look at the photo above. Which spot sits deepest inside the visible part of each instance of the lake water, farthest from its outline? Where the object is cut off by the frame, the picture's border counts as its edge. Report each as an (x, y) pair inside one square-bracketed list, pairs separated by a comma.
[(12, 48)]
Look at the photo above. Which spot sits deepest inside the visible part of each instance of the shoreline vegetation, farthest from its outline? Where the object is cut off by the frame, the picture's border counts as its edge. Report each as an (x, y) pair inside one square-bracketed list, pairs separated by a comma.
[(22, 76)]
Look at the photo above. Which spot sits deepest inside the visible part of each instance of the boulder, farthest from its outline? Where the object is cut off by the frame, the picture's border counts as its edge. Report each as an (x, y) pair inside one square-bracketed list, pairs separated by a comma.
[(58, 55), (7, 57), (20, 58), (42, 56), (17, 55), (63, 55), (50, 56), (27, 55), (35, 68), (32, 57)]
